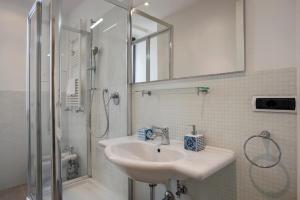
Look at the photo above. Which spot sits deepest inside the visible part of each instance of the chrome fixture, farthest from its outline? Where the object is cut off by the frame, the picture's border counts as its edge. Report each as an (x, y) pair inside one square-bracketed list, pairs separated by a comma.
[(106, 98), (152, 191), (186, 90), (203, 90), (266, 135), (106, 108), (181, 189), (169, 196), (94, 52), (147, 92), (163, 133), (115, 97)]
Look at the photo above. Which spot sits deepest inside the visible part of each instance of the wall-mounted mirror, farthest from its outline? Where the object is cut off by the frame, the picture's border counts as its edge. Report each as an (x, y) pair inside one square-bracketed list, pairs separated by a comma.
[(175, 39)]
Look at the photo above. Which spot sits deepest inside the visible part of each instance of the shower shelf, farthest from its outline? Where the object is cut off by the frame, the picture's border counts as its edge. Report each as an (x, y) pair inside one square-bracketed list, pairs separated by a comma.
[(187, 90)]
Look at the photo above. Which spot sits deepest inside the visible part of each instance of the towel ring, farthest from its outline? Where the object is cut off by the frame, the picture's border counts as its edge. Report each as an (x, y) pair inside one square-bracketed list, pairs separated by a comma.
[(265, 135)]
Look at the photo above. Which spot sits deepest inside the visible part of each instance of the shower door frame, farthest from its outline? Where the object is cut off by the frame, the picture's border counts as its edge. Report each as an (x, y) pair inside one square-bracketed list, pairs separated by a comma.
[(35, 10), (55, 31)]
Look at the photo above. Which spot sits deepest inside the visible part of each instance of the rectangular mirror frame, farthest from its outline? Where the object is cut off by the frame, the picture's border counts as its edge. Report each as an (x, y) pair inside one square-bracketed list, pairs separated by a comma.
[(171, 60)]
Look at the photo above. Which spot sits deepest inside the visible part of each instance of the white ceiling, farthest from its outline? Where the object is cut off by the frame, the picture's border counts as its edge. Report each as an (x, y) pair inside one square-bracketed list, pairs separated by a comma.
[(70, 5), (157, 8), (163, 8)]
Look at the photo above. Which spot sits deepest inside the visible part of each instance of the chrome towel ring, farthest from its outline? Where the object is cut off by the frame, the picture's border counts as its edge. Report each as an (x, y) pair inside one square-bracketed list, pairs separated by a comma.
[(267, 136)]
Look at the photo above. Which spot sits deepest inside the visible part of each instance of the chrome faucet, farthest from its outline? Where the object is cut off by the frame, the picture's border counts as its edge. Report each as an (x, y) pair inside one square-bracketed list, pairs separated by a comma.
[(161, 132)]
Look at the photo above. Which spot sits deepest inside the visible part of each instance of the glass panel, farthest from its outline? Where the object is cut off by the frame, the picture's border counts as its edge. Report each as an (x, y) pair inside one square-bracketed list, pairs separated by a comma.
[(45, 100), (93, 66), (32, 105), (160, 56), (151, 47), (74, 56), (38, 104), (143, 26), (73, 114), (140, 60)]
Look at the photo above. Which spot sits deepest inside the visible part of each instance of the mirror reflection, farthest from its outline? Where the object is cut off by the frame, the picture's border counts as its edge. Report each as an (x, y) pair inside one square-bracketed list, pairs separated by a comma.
[(166, 46)]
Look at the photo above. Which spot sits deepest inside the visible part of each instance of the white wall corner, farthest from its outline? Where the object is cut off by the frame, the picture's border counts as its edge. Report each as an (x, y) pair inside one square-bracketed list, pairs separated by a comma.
[(298, 88)]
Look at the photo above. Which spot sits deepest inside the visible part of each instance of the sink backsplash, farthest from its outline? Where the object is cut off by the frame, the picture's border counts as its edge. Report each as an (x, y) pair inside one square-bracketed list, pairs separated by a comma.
[(227, 121)]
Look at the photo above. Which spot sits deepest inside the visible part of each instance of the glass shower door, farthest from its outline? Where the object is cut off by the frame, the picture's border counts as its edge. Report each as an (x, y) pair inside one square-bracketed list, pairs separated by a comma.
[(32, 107), (37, 102), (66, 98)]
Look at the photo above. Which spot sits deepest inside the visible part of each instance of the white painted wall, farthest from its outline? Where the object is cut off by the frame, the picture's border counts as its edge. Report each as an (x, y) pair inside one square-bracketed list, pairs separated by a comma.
[(13, 44), (205, 38), (270, 34), (13, 142), (298, 85), (266, 21), (140, 62)]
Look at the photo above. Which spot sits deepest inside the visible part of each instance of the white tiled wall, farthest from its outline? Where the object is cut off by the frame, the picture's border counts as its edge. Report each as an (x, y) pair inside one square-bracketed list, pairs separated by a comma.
[(13, 142), (110, 36), (227, 120), (13, 147)]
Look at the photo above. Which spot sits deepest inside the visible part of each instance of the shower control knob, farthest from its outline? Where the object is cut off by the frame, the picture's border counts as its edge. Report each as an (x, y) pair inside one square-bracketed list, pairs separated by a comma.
[(116, 98)]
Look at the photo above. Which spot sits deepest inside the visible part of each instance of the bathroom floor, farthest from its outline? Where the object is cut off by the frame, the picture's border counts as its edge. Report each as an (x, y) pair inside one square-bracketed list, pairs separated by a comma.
[(87, 189), (15, 193)]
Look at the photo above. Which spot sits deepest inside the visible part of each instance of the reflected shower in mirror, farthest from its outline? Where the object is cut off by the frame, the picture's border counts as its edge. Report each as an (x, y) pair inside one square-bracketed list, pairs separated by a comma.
[(179, 39), (151, 51)]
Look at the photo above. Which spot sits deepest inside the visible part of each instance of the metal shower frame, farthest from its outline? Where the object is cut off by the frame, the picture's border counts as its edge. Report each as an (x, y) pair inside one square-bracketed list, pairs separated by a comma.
[(35, 10), (54, 81)]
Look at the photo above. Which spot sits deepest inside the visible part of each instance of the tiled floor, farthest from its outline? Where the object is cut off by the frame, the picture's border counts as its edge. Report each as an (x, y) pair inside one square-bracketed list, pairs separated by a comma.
[(86, 189), (15, 193)]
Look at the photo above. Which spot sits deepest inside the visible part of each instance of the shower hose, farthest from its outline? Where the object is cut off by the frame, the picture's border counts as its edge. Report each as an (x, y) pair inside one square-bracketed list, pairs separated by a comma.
[(106, 100)]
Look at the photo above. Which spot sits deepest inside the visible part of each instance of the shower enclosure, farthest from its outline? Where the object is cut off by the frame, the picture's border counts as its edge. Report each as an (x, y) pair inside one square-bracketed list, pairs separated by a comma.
[(77, 94)]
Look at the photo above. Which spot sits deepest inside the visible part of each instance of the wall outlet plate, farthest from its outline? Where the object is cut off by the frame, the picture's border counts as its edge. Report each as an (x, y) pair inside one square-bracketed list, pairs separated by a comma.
[(279, 104)]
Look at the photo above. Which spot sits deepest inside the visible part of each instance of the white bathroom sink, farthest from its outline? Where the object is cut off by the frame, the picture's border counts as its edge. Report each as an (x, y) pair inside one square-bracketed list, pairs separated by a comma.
[(150, 163), (144, 161)]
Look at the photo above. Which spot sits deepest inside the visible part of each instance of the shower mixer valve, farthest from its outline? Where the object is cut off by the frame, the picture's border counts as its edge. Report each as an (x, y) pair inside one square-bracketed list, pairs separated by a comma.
[(115, 97)]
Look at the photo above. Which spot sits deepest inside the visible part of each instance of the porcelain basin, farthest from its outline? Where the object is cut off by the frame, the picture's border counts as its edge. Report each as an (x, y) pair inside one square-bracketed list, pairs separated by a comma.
[(150, 163), (146, 162)]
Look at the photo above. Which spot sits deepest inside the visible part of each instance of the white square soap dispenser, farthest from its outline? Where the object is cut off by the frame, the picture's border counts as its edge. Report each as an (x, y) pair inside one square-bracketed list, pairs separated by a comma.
[(194, 141)]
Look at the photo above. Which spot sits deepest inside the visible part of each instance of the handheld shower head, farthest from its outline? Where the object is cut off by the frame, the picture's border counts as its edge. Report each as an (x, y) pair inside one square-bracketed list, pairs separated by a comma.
[(95, 50)]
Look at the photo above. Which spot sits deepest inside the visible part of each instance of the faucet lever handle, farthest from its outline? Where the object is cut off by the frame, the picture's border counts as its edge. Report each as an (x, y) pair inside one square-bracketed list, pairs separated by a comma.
[(164, 133)]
